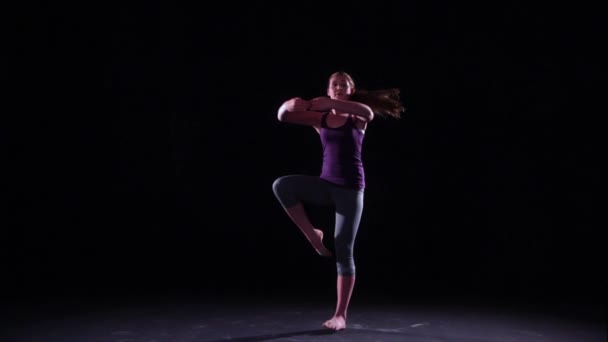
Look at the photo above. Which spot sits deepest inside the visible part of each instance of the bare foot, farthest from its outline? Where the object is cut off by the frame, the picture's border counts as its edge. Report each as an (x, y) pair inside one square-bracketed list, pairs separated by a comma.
[(317, 243), (336, 323)]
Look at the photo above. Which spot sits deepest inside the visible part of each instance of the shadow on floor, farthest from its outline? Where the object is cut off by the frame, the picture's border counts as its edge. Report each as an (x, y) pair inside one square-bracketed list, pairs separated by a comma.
[(267, 337)]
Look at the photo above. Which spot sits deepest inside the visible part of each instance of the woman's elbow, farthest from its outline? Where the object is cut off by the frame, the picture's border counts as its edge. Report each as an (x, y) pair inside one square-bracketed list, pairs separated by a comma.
[(281, 116), (370, 114), (285, 116)]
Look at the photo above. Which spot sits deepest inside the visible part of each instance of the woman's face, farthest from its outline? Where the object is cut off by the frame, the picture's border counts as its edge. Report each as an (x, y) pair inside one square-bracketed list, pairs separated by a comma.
[(340, 88)]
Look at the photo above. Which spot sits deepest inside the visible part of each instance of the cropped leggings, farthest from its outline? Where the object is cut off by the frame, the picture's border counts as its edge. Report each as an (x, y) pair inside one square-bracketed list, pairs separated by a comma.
[(293, 189)]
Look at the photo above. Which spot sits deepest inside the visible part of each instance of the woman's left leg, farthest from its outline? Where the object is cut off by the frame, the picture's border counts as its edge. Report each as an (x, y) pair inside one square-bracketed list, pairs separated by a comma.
[(349, 207)]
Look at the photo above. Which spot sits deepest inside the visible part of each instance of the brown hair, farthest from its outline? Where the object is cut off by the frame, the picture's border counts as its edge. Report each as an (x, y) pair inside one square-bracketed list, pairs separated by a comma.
[(383, 102)]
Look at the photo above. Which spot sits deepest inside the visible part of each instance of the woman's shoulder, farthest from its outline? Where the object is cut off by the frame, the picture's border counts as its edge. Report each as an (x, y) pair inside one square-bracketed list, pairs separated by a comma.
[(359, 122)]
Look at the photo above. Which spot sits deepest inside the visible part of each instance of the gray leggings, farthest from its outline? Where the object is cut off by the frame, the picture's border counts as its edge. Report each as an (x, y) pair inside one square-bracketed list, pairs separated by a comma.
[(293, 189)]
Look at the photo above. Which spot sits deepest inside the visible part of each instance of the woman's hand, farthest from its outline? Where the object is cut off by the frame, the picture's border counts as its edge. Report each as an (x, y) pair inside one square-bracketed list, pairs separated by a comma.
[(296, 104), (321, 104)]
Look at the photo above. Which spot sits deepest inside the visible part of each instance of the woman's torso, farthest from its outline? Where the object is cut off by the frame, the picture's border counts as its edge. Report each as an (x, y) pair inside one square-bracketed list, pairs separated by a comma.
[(342, 141)]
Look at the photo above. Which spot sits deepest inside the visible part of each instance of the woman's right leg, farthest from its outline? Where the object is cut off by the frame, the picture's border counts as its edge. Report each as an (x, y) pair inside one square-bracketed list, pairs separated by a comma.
[(291, 191)]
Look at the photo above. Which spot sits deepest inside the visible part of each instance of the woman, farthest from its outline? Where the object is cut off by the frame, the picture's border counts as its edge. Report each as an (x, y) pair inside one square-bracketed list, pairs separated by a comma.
[(341, 120)]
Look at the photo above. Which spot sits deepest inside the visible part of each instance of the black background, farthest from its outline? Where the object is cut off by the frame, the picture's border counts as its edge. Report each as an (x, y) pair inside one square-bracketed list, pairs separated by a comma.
[(143, 144)]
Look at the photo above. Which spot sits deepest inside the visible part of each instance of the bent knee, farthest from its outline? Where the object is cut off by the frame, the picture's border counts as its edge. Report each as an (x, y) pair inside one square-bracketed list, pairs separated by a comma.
[(283, 191), (279, 184)]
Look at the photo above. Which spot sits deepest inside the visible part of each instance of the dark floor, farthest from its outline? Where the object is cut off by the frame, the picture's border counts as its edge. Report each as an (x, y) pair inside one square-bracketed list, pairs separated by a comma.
[(280, 318)]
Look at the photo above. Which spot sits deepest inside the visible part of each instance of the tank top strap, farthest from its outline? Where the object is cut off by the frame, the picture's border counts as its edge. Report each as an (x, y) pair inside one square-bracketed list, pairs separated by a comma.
[(324, 119)]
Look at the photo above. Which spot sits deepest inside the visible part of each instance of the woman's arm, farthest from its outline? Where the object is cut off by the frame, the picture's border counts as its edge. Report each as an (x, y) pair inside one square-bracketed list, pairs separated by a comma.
[(351, 107), (297, 111)]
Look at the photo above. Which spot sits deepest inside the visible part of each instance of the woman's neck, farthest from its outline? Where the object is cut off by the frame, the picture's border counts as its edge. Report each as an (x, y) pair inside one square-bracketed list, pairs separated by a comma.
[(335, 112)]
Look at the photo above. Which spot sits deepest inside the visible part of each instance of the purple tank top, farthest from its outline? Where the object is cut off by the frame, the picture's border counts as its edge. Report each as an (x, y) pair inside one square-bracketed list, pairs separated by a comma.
[(342, 163)]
